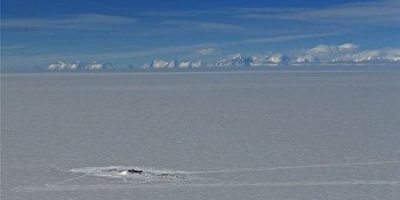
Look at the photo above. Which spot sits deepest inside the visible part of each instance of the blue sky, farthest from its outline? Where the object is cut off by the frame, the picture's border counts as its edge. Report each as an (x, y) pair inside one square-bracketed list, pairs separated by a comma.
[(36, 33)]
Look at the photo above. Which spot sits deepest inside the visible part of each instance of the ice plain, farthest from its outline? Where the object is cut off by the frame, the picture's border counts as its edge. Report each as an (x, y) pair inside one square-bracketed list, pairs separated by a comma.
[(233, 135)]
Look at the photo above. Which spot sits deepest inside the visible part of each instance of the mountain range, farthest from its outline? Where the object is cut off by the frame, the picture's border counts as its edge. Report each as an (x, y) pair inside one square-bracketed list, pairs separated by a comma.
[(347, 53), (80, 66)]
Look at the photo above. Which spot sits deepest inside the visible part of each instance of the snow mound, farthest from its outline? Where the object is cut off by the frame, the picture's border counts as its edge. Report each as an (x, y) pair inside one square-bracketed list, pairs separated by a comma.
[(137, 173)]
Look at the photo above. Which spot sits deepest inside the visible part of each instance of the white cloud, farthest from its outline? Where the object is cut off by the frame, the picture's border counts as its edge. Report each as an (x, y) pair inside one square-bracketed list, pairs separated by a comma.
[(333, 49), (81, 21), (377, 13), (206, 26), (13, 47), (348, 46), (207, 51), (283, 38)]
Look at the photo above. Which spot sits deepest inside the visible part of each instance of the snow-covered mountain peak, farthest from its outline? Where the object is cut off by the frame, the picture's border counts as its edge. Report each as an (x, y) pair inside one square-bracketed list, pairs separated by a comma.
[(99, 66), (160, 64), (257, 60), (60, 65), (306, 59), (370, 56), (279, 59), (197, 64), (164, 64), (235, 60), (347, 53), (185, 64), (64, 66), (235, 56)]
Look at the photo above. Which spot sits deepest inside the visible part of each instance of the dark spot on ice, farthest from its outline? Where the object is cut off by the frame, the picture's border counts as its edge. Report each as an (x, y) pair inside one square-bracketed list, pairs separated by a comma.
[(135, 171)]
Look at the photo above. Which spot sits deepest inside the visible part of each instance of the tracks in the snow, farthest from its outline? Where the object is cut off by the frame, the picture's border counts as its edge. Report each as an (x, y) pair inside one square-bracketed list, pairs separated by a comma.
[(147, 178)]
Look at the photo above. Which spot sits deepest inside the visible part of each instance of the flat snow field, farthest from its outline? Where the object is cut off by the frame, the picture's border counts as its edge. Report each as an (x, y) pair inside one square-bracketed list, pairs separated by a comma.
[(234, 135)]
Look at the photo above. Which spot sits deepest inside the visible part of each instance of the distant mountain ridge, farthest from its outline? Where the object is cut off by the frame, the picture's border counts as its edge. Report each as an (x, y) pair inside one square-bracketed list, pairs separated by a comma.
[(346, 53), (165, 64), (64, 66)]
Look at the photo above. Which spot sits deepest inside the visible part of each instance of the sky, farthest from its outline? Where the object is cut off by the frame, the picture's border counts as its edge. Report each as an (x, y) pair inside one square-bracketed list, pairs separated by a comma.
[(35, 33)]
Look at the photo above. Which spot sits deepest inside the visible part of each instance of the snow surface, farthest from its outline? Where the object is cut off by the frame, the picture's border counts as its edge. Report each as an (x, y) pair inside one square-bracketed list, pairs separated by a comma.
[(232, 135)]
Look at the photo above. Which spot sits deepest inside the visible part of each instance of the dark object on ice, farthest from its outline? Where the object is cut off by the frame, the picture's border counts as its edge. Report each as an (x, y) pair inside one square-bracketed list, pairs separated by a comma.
[(134, 171), (126, 171)]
